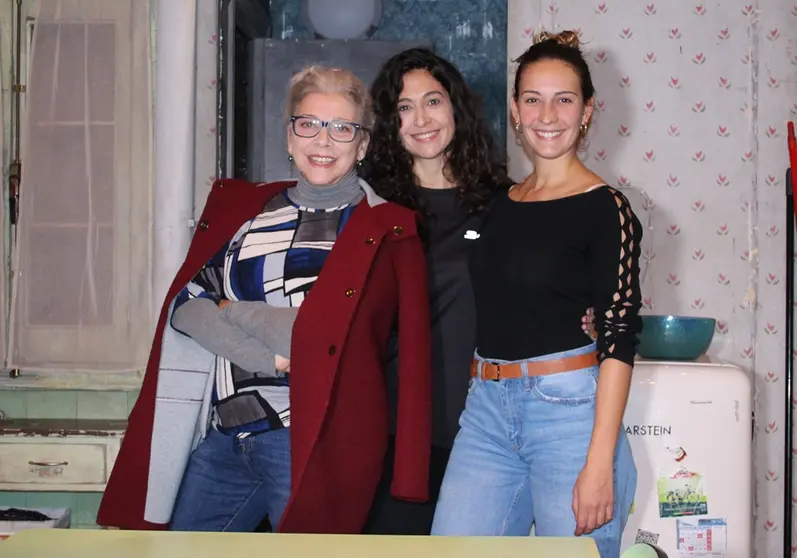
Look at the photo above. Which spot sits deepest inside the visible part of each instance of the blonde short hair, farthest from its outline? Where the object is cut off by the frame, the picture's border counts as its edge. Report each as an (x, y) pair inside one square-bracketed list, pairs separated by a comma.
[(320, 79)]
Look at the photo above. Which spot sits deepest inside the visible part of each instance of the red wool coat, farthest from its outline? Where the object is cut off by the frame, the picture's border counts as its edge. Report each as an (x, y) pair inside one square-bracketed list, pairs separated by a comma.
[(375, 272)]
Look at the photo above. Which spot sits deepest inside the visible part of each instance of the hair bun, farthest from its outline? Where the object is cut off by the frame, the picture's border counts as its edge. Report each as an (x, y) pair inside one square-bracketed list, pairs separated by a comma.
[(565, 38)]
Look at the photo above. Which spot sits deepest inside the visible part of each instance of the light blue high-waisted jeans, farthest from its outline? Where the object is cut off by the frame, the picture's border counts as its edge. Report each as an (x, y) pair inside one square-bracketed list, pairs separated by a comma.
[(521, 445)]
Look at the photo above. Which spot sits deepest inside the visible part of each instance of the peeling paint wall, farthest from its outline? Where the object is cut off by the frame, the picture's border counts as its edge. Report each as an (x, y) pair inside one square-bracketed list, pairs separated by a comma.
[(470, 33)]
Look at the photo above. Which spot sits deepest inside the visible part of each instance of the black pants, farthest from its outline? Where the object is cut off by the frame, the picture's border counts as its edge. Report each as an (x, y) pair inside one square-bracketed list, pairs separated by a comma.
[(389, 516)]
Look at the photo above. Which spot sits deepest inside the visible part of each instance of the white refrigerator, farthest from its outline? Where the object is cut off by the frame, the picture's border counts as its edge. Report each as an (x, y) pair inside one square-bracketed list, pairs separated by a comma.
[(690, 428)]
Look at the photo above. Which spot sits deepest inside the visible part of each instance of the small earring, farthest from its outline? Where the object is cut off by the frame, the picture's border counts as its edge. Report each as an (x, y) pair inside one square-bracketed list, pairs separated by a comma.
[(360, 163), (584, 129), (290, 158), (517, 126)]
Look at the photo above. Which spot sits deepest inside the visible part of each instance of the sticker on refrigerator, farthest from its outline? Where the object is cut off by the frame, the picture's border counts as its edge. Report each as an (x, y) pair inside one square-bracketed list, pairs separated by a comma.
[(681, 494), (702, 537), (646, 537)]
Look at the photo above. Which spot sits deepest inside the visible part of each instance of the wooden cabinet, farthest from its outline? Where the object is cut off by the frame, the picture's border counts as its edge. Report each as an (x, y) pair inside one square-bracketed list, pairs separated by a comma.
[(58, 455)]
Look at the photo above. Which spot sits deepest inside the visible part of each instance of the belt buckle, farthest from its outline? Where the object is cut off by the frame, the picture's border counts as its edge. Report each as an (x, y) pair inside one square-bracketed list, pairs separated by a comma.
[(497, 373)]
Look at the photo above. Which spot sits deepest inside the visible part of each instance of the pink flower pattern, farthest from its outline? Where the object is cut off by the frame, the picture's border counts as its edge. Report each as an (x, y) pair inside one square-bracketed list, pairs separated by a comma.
[(205, 113)]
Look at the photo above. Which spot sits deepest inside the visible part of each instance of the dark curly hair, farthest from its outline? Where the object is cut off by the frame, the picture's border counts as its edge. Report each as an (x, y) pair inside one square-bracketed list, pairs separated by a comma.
[(472, 164)]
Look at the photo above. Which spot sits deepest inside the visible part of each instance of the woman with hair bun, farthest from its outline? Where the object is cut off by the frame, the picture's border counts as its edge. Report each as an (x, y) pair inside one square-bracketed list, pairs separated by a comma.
[(541, 440)]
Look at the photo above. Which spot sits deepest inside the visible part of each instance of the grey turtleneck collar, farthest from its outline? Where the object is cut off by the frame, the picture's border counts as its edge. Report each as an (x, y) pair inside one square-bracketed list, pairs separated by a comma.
[(345, 191)]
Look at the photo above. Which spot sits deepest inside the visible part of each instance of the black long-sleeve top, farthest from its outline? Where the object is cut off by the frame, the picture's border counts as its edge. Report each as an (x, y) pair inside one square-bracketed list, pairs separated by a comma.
[(538, 265)]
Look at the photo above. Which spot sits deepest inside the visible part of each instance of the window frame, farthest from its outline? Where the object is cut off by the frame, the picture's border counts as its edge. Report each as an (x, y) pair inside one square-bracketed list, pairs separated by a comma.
[(56, 371)]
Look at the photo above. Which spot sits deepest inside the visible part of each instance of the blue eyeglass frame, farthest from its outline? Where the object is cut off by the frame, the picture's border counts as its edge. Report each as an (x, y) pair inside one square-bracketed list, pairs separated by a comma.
[(325, 124)]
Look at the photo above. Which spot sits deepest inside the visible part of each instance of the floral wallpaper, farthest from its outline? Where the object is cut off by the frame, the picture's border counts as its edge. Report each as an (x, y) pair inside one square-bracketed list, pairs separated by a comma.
[(470, 33), (692, 105)]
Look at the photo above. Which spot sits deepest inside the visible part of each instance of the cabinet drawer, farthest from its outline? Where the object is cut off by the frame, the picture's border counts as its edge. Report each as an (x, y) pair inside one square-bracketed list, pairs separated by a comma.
[(52, 463)]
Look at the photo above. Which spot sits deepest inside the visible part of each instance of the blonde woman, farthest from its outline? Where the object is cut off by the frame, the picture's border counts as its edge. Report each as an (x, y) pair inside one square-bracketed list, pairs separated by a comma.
[(291, 289)]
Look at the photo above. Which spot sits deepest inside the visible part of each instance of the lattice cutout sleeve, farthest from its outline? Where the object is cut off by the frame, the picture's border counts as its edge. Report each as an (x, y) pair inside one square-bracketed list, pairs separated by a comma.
[(614, 253)]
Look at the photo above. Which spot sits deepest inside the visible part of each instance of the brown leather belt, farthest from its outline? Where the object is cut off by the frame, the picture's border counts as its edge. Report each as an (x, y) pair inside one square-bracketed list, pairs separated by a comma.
[(497, 372)]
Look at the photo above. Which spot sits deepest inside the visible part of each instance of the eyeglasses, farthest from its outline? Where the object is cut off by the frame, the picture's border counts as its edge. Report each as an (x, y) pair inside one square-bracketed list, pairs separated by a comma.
[(341, 131)]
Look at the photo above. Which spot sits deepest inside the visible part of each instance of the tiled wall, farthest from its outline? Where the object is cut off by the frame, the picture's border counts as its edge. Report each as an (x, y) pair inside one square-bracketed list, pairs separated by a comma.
[(470, 33), (40, 404)]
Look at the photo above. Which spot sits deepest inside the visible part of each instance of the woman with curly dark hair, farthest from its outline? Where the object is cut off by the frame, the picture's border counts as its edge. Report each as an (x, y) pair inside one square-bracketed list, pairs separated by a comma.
[(429, 133), (431, 151)]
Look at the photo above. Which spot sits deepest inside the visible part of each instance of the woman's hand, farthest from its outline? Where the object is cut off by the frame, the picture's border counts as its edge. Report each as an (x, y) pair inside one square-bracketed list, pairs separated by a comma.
[(588, 323), (593, 497), (282, 364)]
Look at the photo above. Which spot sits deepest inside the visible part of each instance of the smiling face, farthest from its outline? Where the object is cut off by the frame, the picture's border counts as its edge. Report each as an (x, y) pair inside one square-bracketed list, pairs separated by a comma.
[(322, 160), (550, 108), (427, 116)]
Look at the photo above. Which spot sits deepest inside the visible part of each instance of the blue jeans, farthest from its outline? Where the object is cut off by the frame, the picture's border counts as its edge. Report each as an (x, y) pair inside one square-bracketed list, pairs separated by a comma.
[(232, 484), (521, 445)]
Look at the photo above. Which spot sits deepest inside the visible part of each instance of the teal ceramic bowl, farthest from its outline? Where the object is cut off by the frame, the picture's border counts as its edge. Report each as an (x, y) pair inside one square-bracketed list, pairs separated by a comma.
[(675, 337)]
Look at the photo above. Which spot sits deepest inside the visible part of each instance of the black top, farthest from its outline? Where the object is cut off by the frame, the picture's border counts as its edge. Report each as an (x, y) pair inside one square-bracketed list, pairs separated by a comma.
[(451, 234), (538, 265)]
